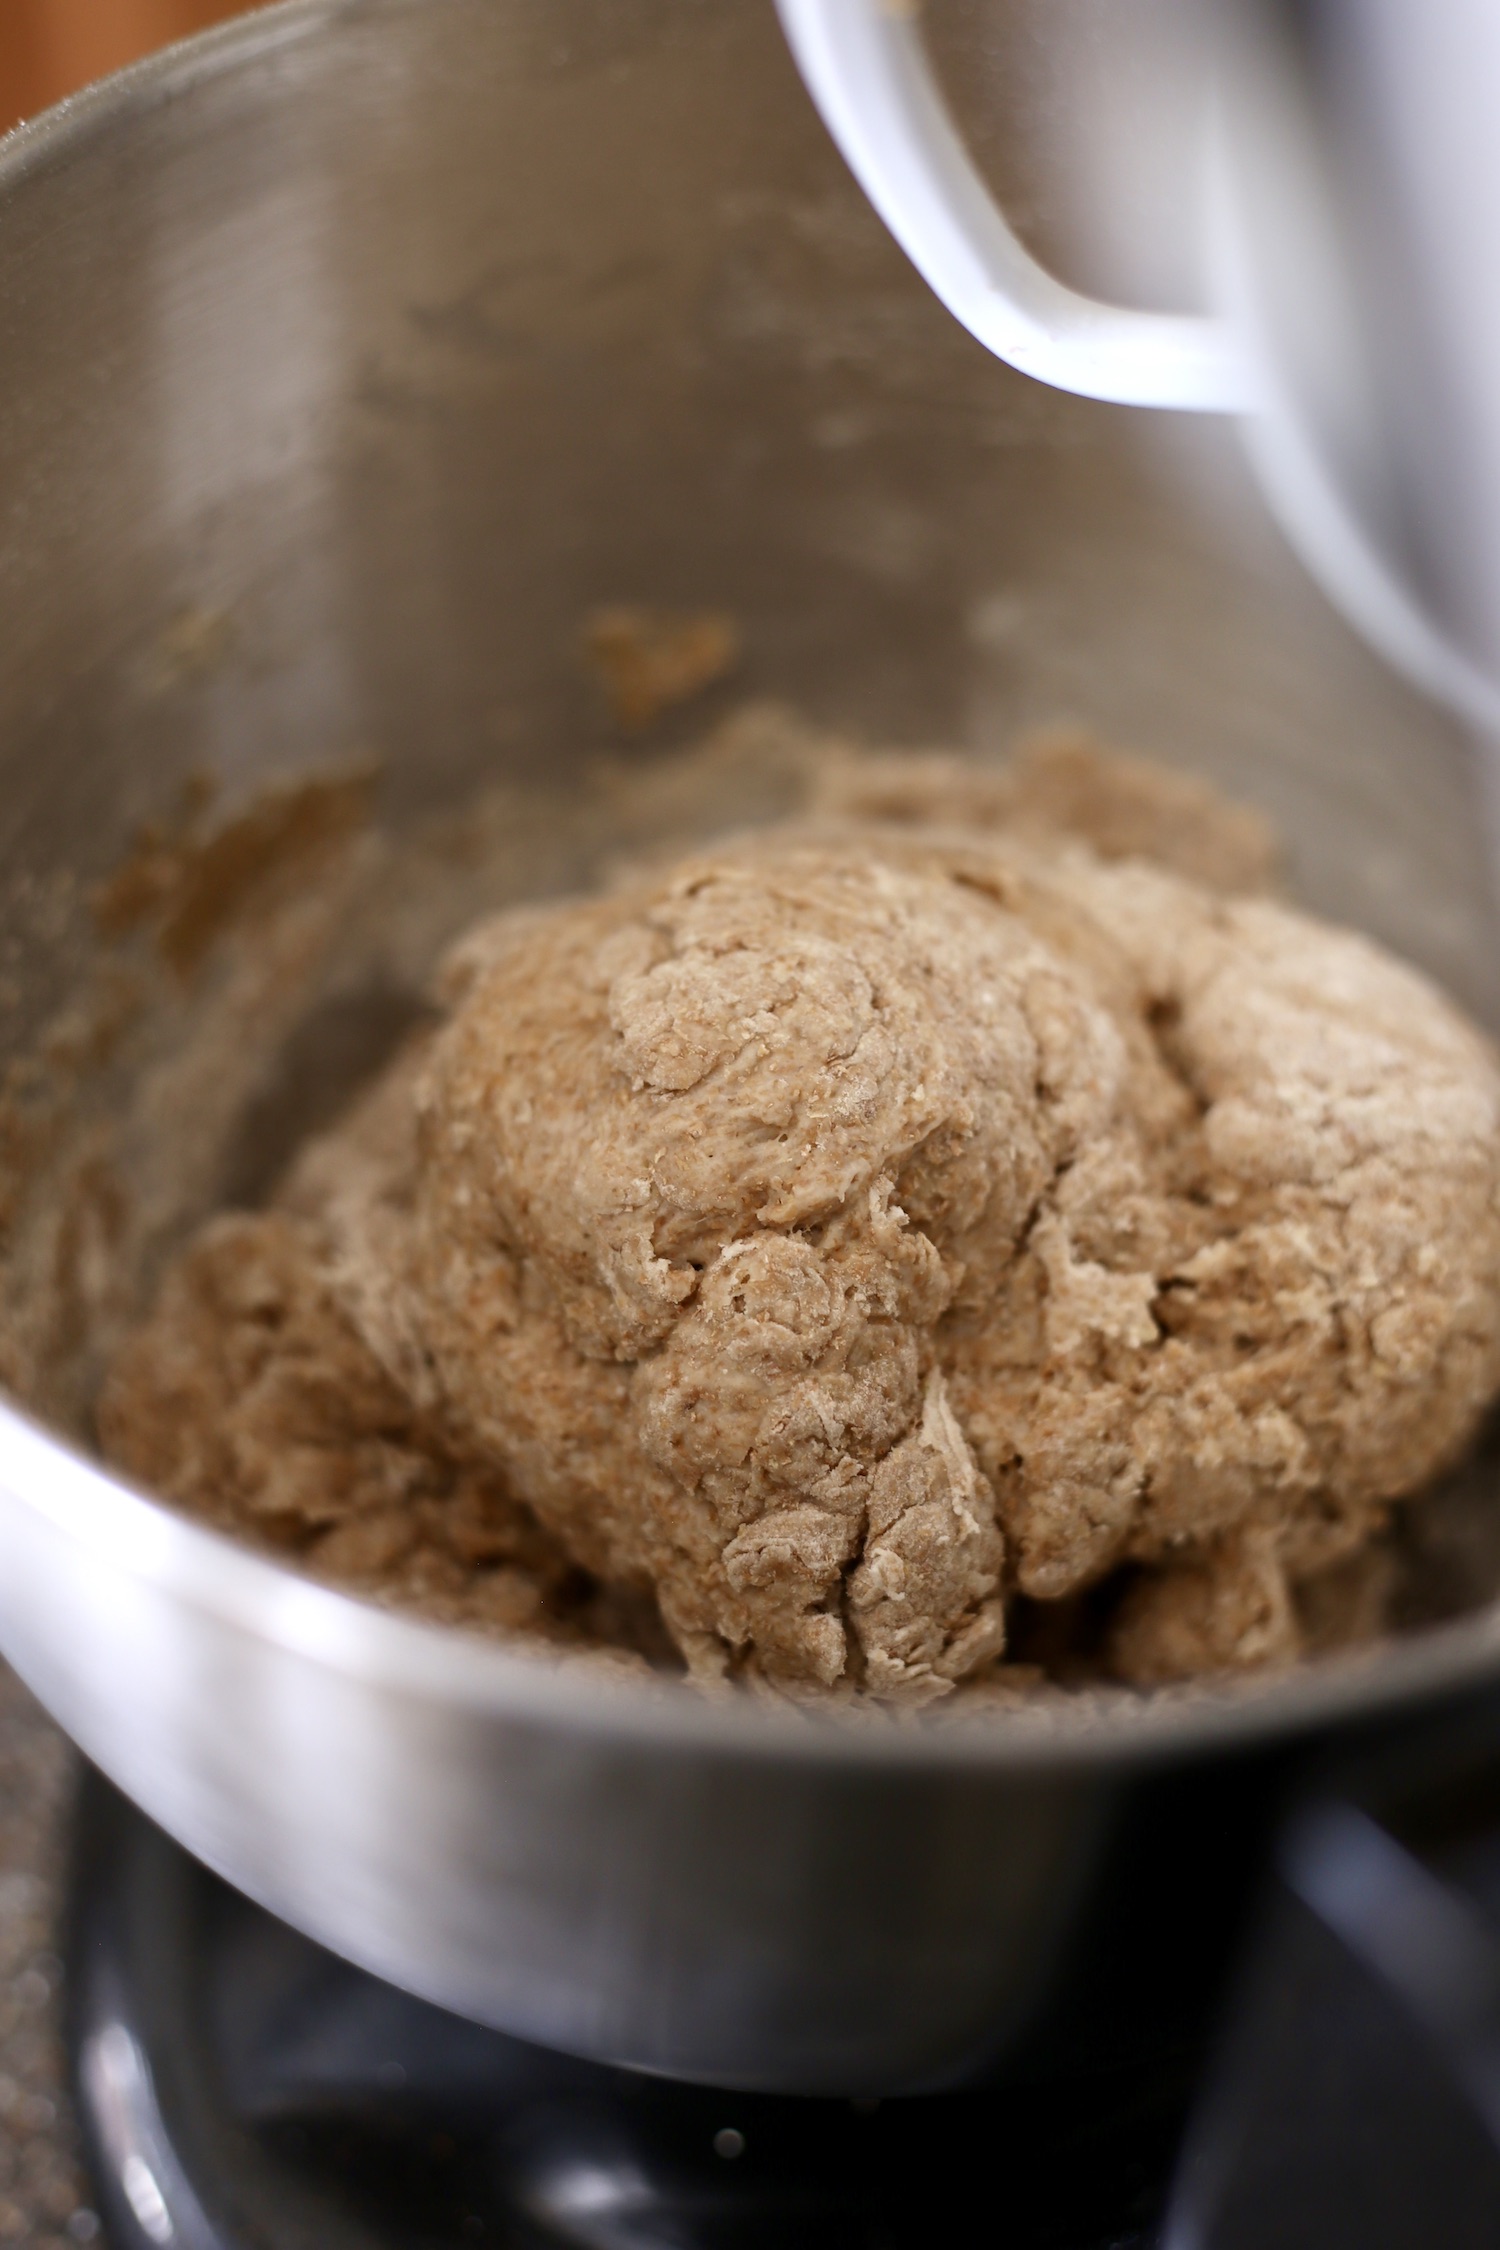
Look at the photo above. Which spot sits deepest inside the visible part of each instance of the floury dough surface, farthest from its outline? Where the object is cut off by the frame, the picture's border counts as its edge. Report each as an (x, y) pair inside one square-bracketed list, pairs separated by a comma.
[(863, 1235)]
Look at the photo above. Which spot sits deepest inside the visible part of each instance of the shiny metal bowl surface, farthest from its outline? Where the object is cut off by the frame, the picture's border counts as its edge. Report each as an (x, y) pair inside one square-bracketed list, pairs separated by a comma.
[(401, 332)]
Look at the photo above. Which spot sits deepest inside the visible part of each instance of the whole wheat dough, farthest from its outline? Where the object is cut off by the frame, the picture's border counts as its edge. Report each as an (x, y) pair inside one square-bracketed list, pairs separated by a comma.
[(856, 1227)]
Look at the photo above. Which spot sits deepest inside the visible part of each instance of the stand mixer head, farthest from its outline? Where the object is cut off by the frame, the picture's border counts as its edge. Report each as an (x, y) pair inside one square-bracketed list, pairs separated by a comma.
[(1348, 162)]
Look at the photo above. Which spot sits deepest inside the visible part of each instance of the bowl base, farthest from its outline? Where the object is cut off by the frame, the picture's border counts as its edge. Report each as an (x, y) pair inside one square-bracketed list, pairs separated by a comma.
[(239, 2086)]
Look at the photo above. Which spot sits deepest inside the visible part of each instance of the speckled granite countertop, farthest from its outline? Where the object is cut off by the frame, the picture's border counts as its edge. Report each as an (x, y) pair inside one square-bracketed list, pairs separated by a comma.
[(43, 2198)]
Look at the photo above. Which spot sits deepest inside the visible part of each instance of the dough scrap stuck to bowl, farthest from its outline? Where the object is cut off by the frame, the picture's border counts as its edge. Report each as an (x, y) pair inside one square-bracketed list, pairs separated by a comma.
[(861, 1224)]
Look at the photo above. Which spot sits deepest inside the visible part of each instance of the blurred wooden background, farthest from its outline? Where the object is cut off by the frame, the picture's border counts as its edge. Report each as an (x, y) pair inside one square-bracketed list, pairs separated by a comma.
[(50, 47)]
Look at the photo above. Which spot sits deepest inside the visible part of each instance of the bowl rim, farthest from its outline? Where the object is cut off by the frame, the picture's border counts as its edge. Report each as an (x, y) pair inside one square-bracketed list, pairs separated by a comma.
[(269, 1601), (50, 137)]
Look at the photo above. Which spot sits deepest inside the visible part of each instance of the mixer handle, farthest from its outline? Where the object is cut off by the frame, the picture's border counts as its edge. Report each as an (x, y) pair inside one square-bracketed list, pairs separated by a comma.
[(865, 65)]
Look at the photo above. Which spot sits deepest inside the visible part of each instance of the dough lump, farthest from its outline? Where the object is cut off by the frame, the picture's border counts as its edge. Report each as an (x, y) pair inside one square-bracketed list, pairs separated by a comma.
[(860, 1225)]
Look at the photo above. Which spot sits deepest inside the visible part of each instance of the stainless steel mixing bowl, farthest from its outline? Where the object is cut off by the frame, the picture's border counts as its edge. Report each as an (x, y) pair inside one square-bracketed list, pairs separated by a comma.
[(399, 332)]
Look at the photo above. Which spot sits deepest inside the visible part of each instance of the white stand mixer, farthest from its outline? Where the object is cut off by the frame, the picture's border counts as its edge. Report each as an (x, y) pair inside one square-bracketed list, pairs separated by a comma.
[(1350, 161)]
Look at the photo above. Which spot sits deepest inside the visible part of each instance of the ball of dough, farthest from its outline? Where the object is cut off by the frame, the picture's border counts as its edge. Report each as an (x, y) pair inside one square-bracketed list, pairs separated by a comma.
[(842, 1231), (854, 1227)]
